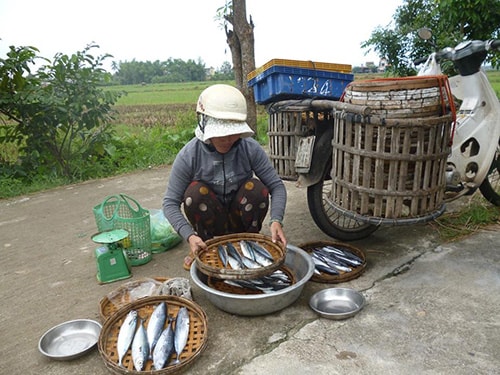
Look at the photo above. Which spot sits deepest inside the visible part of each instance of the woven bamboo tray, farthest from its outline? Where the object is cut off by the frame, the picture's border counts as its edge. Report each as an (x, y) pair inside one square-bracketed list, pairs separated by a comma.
[(221, 286), (108, 307), (323, 277), (196, 343), (209, 263)]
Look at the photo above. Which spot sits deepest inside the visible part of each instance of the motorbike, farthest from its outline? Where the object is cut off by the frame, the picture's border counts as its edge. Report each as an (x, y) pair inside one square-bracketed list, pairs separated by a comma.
[(474, 160)]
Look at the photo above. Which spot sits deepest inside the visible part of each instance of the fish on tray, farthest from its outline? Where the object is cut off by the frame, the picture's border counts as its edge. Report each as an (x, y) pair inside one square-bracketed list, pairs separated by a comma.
[(267, 284), (126, 335), (154, 342), (181, 332), (253, 256), (334, 261), (164, 348), (140, 348), (155, 325)]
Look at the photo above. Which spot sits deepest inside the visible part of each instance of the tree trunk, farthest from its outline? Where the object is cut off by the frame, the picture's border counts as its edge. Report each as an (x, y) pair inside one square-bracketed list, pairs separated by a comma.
[(241, 43)]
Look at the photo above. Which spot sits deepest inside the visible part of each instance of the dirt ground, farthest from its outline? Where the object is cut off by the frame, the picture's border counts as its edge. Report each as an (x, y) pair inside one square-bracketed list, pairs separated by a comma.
[(48, 276)]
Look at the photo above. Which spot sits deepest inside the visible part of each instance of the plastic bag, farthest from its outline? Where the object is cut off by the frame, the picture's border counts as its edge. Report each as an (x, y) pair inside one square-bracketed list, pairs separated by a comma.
[(431, 67), (163, 235)]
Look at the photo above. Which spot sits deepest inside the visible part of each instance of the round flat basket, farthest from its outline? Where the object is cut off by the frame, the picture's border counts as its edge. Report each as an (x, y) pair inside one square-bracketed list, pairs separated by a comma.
[(343, 276), (209, 262), (121, 296), (222, 286), (196, 343)]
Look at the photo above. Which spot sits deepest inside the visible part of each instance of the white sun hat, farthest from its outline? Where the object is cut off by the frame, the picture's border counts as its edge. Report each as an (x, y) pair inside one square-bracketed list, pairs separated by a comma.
[(222, 111)]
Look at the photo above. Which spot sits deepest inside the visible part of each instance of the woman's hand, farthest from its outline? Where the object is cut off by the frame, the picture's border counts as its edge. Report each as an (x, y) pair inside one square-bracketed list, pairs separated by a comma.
[(196, 244), (277, 233)]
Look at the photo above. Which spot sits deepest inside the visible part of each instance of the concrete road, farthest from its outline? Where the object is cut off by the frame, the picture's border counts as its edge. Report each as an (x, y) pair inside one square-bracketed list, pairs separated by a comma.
[(432, 308)]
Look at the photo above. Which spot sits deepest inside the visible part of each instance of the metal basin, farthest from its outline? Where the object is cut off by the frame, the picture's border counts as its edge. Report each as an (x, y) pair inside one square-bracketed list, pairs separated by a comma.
[(70, 339), (337, 303), (260, 304)]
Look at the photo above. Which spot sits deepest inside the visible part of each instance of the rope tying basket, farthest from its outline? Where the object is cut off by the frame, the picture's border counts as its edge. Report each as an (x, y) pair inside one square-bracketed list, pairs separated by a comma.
[(389, 171), (123, 212), (404, 97)]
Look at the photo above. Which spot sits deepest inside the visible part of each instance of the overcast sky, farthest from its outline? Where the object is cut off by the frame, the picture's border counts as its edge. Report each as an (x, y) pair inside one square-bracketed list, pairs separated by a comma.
[(150, 30)]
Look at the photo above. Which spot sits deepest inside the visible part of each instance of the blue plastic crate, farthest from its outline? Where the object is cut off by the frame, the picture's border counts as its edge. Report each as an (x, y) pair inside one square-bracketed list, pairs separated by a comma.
[(283, 82)]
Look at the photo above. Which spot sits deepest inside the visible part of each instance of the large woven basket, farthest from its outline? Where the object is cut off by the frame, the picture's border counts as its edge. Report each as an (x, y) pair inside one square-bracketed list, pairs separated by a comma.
[(323, 277), (389, 171), (196, 343), (209, 263)]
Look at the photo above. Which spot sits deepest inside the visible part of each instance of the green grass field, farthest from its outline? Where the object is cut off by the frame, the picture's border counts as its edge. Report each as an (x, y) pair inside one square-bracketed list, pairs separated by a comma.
[(165, 94), (187, 93)]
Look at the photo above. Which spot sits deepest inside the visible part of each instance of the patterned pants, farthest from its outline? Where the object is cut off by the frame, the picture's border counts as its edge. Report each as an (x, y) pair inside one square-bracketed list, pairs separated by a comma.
[(209, 217)]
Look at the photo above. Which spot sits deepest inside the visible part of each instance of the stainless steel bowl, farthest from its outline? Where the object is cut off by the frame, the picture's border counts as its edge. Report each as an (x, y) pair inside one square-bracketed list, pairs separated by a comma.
[(70, 339), (337, 303), (296, 259)]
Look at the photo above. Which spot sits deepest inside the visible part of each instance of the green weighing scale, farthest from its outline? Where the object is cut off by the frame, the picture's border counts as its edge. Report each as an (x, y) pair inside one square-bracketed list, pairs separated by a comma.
[(112, 260)]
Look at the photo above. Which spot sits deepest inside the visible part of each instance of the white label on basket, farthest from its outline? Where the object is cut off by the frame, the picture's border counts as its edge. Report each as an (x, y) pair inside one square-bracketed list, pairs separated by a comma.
[(112, 261), (304, 154)]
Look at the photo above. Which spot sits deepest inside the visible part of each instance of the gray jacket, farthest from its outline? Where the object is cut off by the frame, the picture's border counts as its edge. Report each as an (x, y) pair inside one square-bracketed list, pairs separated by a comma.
[(223, 173)]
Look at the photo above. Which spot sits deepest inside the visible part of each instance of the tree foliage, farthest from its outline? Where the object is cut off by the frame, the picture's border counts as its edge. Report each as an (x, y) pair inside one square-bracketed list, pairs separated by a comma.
[(450, 20), (172, 70), (58, 117)]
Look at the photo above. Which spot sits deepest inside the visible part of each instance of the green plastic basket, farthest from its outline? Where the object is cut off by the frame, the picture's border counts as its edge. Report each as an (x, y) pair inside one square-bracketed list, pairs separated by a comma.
[(123, 212)]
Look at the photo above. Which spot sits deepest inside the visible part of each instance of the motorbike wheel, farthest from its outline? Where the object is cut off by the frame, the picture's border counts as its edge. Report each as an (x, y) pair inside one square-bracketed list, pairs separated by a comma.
[(490, 187), (329, 220)]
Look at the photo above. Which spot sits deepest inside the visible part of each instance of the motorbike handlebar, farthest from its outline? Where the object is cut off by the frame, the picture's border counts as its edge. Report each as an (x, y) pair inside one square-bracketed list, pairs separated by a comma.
[(420, 60), (494, 44), (462, 51)]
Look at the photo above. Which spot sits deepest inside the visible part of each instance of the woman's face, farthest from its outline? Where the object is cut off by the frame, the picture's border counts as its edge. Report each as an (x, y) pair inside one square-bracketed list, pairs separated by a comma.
[(224, 144)]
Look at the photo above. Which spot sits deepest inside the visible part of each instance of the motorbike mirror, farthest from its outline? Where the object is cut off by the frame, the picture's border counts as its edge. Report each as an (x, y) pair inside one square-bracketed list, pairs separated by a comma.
[(424, 33)]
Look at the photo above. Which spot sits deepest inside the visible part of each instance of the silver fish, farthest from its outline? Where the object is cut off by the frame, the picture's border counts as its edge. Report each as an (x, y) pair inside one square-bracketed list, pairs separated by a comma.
[(155, 325), (262, 260), (246, 250), (250, 263), (334, 259), (343, 253), (231, 251), (181, 331), (164, 347), (222, 254), (140, 348), (235, 265), (323, 267), (266, 284), (261, 250), (126, 335)]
